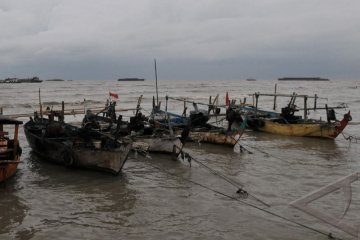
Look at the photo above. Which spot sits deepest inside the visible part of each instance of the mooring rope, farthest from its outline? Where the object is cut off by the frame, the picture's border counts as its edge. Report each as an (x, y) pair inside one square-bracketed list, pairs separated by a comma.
[(329, 235), (350, 138), (217, 121), (240, 187)]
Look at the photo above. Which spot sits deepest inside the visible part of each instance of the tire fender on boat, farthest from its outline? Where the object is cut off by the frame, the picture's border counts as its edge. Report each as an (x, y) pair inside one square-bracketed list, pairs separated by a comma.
[(68, 158), (348, 117)]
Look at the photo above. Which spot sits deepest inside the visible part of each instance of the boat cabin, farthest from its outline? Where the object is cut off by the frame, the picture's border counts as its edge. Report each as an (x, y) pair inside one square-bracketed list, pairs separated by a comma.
[(10, 150)]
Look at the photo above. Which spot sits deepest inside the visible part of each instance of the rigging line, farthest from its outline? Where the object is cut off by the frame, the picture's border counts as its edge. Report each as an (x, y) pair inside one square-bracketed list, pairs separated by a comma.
[(229, 180), (220, 120), (240, 186), (350, 137), (262, 151), (244, 203)]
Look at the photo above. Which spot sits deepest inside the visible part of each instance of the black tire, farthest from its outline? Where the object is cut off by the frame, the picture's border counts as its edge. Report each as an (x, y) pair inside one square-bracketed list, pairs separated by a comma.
[(348, 117), (68, 158)]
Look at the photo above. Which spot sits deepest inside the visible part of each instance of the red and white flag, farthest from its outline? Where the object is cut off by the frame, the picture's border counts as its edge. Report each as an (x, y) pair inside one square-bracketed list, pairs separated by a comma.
[(227, 100), (114, 95)]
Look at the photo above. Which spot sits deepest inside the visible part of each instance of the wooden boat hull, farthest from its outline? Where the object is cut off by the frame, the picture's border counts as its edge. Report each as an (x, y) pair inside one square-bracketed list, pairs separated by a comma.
[(8, 169), (74, 154), (171, 145), (322, 130), (10, 150), (221, 138)]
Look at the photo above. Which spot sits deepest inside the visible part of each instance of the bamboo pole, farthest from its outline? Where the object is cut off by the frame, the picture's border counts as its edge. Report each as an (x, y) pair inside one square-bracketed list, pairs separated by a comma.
[(274, 107), (40, 105), (16, 133), (156, 83), (315, 101), (305, 108), (67, 112)]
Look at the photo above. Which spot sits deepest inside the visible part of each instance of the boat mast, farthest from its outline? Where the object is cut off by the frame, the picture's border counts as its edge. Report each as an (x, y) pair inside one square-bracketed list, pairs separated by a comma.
[(305, 107), (274, 107), (40, 104), (157, 95)]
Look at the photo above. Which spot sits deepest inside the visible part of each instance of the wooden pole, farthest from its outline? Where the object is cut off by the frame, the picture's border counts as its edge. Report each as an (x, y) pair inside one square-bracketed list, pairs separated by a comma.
[(315, 101), (184, 112), (275, 97), (327, 113), (166, 104), (256, 103), (138, 104), (156, 84), (16, 133), (1, 126), (41, 113), (305, 108), (62, 111)]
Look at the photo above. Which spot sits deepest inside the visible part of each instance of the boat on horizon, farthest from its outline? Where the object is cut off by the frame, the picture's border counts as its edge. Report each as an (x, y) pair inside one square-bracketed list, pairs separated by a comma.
[(55, 80), (130, 79), (303, 79), (21, 80)]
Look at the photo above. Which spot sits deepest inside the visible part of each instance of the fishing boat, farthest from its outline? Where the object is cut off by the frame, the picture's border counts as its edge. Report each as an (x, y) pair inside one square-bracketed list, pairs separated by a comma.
[(196, 123), (214, 135), (71, 146), (143, 133), (303, 129), (288, 124), (160, 144), (10, 150)]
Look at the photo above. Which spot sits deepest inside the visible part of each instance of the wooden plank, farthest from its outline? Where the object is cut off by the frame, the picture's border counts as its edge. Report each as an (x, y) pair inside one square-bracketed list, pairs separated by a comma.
[(287, 95), (67, 112)]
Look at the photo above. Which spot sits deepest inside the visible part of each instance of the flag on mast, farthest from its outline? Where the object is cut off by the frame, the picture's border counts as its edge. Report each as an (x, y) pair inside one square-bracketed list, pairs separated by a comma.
[(114, 95), (227, 100)]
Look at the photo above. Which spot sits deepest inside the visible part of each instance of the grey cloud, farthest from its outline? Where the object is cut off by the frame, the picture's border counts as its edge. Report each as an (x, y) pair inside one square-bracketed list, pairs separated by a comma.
[(192, 38)]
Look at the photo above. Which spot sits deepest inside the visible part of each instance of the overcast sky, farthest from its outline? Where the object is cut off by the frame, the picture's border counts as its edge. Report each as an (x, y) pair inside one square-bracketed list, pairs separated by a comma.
[(191, 39)]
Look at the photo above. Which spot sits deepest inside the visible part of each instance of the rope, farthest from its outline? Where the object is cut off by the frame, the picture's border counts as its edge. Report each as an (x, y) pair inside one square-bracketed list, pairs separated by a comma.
[(350, 138), (218, 121), (244, 203), (240, 186), (268, 154)]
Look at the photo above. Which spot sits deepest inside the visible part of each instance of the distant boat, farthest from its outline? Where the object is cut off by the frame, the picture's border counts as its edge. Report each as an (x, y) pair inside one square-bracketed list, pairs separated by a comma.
[(303, 79), (21, 80), (130, 79), (250, 79), (10, 80), (29, 80), (55, 80)]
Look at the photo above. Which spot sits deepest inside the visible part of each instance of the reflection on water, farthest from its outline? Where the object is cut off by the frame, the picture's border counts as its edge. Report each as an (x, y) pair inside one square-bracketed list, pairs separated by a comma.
[(56, 196), (12, 208), (296, 146)]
